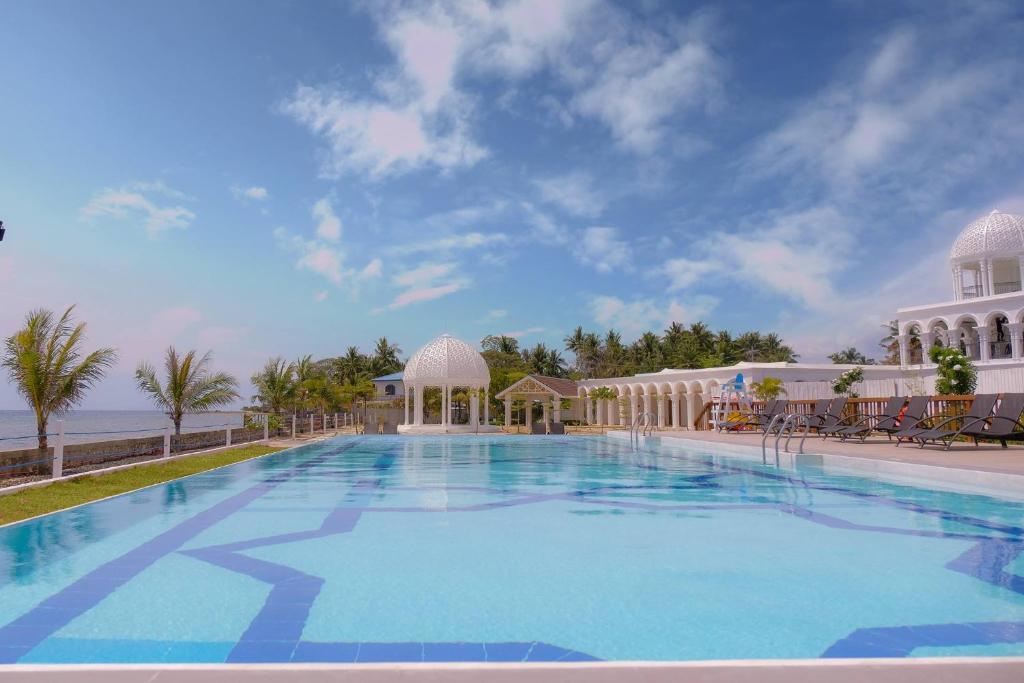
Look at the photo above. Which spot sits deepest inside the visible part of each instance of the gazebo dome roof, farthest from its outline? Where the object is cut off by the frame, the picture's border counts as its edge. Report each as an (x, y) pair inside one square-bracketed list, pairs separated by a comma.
[(997, 234), (447, 361)]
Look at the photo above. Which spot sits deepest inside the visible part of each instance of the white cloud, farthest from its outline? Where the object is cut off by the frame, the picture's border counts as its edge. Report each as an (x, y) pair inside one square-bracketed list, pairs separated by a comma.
[(320, 295), (644, 84), (314, 255), (637, 316), (496, 313), (132, 202), (421, 284), (516, 334), (683, 272), (632, 79), (574, 193), (602, 248), (865, 128), (255, 192), (328, 225), (468, 240), (372, 269)]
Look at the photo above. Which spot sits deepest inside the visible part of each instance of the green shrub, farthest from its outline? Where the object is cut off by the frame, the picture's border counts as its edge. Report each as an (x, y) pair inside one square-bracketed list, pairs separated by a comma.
[(843, 384), (956, 373)]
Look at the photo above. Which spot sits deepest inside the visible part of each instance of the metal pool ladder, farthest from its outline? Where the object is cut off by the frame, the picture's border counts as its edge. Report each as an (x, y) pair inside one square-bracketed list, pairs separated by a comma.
[(792, 422), (644, 425)]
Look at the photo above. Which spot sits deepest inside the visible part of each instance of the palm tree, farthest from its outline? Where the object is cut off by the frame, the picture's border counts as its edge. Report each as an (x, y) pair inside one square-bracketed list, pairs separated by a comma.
[(350, 366), (385, 357), (305, 374), (275, 384), (191, 387), (850, 356), (44, 361)]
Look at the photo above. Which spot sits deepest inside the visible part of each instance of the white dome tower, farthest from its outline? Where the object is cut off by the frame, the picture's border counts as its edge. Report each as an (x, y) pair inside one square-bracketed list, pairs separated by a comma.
[(987, 257)]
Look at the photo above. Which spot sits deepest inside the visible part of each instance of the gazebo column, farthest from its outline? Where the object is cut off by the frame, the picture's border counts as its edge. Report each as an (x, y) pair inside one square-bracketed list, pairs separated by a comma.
[(990, 277), (927, 341), (675, 410), (545, 414), (405, 401), (984, 348), (474, 408), (417, 406), (958, 282), (661, 411), (589, 404), (904, 342), (1016, 339), (647, 403), (487, 407), (508, 411), (556, 406)]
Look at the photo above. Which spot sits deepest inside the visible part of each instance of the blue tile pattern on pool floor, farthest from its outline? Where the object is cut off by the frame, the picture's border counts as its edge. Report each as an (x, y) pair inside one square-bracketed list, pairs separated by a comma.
[(396, 549)]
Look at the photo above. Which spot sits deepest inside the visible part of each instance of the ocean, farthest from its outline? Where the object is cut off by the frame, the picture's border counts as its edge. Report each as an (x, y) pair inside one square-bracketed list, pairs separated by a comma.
[(18, 427)]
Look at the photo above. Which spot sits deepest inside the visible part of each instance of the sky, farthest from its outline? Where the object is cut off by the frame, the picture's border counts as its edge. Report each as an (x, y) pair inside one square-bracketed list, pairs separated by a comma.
[(282, 178)]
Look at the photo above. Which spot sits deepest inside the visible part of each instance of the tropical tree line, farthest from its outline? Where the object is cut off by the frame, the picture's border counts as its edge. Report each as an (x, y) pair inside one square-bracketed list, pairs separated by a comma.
[(324, 385), (678, 346)]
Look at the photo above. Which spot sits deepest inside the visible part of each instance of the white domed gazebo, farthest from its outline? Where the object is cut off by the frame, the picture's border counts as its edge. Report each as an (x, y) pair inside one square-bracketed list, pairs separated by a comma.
[(446, 363)]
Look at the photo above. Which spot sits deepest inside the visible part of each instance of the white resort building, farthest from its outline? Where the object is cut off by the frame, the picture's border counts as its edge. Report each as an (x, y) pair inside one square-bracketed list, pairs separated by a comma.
[(985, 319)]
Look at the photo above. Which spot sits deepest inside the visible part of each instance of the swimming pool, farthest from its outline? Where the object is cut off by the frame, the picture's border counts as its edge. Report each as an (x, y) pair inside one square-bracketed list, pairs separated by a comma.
[(370, 549)]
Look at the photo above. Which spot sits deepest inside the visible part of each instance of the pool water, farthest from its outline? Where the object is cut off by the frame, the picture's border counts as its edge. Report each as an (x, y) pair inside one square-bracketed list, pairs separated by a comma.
[(370, 549)]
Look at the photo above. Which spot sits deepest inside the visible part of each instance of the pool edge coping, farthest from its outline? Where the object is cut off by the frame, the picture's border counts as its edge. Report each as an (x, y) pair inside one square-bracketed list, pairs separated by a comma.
[(882, 670)]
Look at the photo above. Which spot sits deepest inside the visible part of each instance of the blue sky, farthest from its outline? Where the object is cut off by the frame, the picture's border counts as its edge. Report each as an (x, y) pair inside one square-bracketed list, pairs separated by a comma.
[(264, 178)]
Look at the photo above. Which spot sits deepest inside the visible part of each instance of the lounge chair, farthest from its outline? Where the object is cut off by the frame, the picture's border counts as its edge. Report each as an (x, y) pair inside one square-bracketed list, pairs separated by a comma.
[(744, 420), (861, 425), (557, 428), (818, 412), (761, 420), (937, 427), (831, 416), (538, 428), (1005, 424), (915, 413)]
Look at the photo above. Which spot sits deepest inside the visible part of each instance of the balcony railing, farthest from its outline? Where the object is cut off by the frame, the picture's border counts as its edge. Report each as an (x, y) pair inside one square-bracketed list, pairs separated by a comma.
[(1007, 287), (971, 291), (974, 291), (1001, 349)]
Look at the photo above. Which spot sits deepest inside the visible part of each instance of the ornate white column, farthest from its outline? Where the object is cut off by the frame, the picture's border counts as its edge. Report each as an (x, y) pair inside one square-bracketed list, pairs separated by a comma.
[(589, 409), (405, 401), (991, 277), (661, 411), (487, 406), (611, 408), (958, 282), (418, 406), (474, 407), (983, 273), (508, 411), (634, 407), (1016, 339), (647, 403), (904, 342), (927, 340), (985, 349), (676, 399)]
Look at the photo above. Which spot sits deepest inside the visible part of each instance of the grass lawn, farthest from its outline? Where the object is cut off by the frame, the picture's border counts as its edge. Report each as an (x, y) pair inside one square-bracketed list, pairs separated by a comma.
[(64, 494)]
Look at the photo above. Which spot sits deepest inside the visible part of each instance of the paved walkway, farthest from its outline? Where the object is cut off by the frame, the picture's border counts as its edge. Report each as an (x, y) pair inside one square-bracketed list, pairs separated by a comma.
[(965, 456)]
